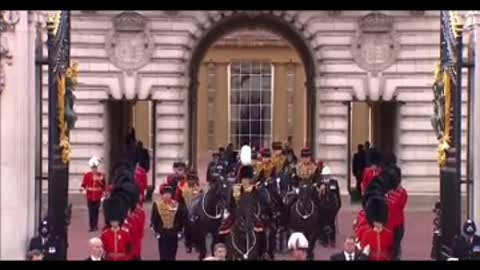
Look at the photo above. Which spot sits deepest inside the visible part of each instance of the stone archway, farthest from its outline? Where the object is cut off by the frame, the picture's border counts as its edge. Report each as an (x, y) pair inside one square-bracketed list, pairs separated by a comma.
[(223, 23)]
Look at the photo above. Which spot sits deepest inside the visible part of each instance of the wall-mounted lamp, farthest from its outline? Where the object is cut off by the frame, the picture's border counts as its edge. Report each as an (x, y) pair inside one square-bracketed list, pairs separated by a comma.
[(8, 20)]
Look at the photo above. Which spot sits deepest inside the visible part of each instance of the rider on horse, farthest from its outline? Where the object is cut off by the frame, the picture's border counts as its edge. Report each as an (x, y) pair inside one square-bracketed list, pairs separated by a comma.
[(306, 172)]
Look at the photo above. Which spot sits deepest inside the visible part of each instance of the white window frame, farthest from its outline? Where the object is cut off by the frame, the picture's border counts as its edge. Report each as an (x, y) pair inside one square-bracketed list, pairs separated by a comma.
[(229, 93)]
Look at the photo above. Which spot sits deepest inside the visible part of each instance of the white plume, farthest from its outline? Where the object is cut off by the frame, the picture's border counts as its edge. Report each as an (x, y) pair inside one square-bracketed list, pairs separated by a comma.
[(246, 155), (297, 240), (94, 162), (326, 170)]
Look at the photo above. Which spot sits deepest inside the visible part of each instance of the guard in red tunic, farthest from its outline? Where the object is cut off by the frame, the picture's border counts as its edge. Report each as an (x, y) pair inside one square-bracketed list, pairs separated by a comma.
[(142, 180), (94, 184), (372, 171), (397, 200), (116, 238), (178, 176), (377, 241)]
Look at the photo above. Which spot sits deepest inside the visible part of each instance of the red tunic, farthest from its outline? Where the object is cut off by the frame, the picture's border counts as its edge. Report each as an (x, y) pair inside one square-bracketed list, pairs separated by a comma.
[(117, 244), (142, 182), (368, 175), (362, 224), (133, 226), (381, 244), (94, 184), (397, 200), (140, 213)]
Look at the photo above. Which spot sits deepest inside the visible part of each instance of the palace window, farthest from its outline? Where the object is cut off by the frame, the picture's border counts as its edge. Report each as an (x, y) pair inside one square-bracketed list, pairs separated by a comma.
[(251, 99)]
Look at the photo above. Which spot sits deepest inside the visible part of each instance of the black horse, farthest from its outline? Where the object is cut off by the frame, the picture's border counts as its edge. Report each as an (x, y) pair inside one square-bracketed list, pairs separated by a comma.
[(303, 216), (208, 212), (329, 205), (244, 242)]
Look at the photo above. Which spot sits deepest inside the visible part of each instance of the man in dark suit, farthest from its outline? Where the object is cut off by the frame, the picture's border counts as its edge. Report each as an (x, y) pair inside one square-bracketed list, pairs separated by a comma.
[(359, 163), (96, 250), (349, 252)]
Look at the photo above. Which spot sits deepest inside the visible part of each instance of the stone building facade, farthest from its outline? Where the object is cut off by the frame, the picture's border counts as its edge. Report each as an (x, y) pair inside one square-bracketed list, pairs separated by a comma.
[(347, 55)]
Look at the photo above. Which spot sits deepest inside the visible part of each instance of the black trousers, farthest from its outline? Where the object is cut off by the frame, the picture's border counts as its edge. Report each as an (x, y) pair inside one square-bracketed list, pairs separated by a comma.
[(397, 244), (168, 245), (359, 177), (93, 209), (188, 235)]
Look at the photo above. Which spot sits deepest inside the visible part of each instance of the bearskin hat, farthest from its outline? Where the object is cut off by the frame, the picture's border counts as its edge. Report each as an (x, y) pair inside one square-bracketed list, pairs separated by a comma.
[(375, 189), (277, 146), (115, 208), (389, 159), (266, 152), (392, 176), (132, 191), (306, 152), (376, 209)]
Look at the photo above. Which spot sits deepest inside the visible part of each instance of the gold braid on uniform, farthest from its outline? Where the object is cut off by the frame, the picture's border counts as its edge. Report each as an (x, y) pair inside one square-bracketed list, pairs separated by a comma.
[(278, 162), (167, 213), (305, 172), (267, 169), (190, 192)]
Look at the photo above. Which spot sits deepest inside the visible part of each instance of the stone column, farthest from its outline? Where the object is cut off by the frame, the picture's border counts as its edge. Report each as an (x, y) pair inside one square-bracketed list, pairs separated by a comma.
[(17, 152), (473, 28)]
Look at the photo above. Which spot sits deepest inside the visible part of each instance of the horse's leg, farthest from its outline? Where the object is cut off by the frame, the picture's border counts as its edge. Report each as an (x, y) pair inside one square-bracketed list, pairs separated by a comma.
[(311, 246), (201, 245)]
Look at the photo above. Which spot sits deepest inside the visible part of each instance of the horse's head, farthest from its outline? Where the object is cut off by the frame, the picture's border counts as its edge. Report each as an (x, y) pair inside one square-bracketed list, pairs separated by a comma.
[(246, 212), (305, 192), (223, 190)]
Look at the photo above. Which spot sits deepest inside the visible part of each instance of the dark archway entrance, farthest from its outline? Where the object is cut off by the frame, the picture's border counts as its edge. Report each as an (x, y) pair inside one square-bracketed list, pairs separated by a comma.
[(235, 22)]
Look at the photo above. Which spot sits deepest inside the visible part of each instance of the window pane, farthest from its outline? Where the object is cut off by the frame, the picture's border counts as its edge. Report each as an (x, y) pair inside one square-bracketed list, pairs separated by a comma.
[(244, 97), (244, 113), (255, 112), (234, 97), (255, 127), (243, 140), (256, 68), (255, 97), (266, 127), (246, 67), (245, 82), (234, 113), (211, 127), (235, 68), (235, 82), (256, 142), (266, 83), (266, 112), (266, 97), (255, 80), (266, 68), (244, 128)]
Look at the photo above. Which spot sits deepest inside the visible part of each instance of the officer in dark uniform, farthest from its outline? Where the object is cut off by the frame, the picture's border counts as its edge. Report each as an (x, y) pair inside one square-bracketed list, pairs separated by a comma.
[(167, 220), (467, 246)]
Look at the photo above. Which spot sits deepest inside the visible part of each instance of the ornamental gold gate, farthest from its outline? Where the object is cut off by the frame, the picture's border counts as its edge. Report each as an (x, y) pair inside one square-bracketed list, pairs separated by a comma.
[(446, 121), (62, 80)]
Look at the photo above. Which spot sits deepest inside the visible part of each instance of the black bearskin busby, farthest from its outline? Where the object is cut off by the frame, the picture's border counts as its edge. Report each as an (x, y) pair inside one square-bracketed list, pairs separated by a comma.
[(376, 209), (392, 176), (115, 208), (375, 189)]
